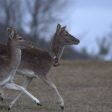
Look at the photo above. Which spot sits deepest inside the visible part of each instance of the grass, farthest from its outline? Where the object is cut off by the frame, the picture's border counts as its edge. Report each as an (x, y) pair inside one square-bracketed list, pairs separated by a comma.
[(86, 86)]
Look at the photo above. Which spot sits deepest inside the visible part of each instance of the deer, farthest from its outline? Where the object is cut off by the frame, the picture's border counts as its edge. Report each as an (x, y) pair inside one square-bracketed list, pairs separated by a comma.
[(9, 66), (36, 62)]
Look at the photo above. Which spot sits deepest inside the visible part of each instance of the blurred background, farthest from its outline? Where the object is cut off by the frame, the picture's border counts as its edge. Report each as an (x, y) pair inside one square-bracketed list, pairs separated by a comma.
[(88, 20)]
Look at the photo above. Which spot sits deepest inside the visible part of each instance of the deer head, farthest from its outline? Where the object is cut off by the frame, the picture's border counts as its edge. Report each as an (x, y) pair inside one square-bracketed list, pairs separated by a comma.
[(61, 38), (16, 39)]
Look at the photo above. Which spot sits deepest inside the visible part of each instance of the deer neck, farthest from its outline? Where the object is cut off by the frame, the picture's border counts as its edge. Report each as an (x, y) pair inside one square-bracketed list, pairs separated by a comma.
[(57, 51), (13, 64), (14, 55), (57, 47)]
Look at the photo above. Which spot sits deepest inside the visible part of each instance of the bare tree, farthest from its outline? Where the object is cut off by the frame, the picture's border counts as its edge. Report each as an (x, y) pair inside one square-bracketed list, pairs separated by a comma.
[(103, 46), (11, 11), (42, 14), (37, 15)]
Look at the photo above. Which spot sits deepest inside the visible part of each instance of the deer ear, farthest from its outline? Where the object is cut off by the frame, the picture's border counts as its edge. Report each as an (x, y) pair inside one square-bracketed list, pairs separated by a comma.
[(12, 35), (64, 27), (58, 27), (8, 29), (10, 32)]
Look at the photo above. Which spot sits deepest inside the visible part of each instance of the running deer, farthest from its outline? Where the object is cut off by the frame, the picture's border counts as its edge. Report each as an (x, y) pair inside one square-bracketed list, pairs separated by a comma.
[(37, 62), (9, 66)]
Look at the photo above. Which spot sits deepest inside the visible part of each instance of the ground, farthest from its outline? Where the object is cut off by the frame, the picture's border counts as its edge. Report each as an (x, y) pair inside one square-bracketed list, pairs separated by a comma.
[(86, 86)]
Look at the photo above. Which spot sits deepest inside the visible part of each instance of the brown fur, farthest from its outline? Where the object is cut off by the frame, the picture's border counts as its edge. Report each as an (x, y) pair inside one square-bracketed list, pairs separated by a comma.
[(10, 55), (32, 58), (40, 61)]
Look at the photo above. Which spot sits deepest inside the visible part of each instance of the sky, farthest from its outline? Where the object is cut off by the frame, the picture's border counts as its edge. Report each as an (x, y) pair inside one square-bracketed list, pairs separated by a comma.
[(88, 20)]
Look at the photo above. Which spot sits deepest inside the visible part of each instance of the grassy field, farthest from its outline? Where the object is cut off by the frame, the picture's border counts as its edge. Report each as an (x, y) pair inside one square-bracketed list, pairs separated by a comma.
[(86, 86)]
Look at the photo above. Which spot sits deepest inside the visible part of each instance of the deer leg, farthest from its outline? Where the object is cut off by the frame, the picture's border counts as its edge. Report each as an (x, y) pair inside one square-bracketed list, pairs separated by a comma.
[(22, 89), (1, 85), (51, 84), (26, 83)]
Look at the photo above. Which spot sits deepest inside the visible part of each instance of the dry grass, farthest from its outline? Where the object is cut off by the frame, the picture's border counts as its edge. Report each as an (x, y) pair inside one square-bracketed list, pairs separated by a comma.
[(86, 86)]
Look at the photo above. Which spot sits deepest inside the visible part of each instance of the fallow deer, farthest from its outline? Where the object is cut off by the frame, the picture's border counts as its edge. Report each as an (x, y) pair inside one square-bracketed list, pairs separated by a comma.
[(9, 66), (37, 62)]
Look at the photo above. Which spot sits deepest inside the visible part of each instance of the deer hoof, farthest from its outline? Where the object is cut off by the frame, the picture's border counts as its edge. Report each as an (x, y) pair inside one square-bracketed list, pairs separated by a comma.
[(9, 108), (39, 104), (62, 107), (2, 99)]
